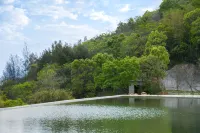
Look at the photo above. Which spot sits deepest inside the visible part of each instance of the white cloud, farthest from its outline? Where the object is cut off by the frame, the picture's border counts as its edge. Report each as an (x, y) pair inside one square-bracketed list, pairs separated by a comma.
[(10, 32), (104, 17), (15, 16), (65, 31), (6, 8), (147, 9), (80, 2), (55, 12), (105, 2), (67, 2), (144, 9), (7, 1), (125, 8), (37, 27), (18, 17), (12, 21), (61, 2)]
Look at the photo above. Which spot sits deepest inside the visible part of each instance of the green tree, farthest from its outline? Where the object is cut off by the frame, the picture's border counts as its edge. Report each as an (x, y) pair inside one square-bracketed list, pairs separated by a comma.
[(181, 52), (117, 74), (82, 78), (152, 67), (196, 3), (169, 4), (62, 54), (23, 90), (191, 17), (156, 38), (114, 45), (161, 53), (47, 77), (195, 36), (133, 45), (174, 27), (81, 52), (100, 59)]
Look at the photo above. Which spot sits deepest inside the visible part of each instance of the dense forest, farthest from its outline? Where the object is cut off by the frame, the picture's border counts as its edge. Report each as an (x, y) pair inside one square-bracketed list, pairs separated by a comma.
[(142, 48)]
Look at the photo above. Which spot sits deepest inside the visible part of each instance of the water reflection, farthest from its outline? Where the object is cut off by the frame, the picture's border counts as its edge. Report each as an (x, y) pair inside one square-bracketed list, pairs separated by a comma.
[(185, 115), (123, 115)]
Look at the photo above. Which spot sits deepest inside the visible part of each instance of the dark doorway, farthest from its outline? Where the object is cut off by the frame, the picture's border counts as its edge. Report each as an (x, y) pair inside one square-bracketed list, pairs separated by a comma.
[(137, 89)]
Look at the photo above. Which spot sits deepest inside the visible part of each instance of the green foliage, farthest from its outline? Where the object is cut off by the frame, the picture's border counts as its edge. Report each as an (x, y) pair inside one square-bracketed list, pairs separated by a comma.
[(156, 38), (152, 88), (169, 4), (117, 74), (47, 77), (180, 52), (196, 3), (152, 67), (195, 32), (174, 27), (62, 54), (191, 17), (114, 45), (133, 45), (50, 96), (82, 78), (100, 59), (64, 74), (23, 90), (32, 73), (81, 52), (161, 53), (1, 102), (125, 27), (46, 58), (12, 103)]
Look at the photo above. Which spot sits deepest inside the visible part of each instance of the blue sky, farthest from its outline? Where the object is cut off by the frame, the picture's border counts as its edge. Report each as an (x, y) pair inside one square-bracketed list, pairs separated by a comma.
[(40, 22)]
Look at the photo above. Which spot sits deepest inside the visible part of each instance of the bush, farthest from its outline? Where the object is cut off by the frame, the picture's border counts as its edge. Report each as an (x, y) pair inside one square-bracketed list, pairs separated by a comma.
[(12, 103), (50, 96), (1, 102), (23, 91), (153, 88)]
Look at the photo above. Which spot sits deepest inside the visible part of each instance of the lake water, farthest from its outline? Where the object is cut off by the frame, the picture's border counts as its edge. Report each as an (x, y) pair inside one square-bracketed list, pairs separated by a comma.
[(117, 115)]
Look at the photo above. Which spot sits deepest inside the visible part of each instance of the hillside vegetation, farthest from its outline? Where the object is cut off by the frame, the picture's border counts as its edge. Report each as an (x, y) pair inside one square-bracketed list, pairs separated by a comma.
[(142, 48)]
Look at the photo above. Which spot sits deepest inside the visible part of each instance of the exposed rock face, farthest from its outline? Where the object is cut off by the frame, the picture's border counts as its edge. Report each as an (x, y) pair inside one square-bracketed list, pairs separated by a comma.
[(184, 77), (143, 93)]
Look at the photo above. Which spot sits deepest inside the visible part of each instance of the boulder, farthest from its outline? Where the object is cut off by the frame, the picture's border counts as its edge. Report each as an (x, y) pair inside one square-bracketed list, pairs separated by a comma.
[(143, 93)]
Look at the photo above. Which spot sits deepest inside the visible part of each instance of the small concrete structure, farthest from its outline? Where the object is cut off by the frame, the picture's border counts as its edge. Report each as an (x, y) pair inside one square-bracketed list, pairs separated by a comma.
[(134, 83), (131, 89)]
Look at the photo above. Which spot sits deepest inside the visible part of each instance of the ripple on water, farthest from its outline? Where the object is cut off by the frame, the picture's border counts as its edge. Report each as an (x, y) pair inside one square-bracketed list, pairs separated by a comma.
[(81, 112), (92, 112)]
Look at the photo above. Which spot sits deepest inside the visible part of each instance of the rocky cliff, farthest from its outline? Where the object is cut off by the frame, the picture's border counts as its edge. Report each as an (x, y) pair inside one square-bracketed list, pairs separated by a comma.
[(185, 77)]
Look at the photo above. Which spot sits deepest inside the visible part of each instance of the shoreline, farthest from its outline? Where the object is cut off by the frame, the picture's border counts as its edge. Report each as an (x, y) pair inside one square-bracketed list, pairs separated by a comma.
[(99, 98)]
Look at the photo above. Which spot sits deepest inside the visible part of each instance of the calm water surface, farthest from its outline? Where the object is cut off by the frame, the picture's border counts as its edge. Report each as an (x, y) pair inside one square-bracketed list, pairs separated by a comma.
[(118, 115)]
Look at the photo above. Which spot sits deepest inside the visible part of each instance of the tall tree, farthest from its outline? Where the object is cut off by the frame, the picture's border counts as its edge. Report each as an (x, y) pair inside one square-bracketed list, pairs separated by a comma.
[(13, 70), (82, 78), (48, 79), (156, 38)]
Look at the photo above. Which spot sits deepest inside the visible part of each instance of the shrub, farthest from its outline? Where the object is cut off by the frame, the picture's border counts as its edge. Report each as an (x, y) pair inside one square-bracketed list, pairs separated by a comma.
[(23, 91), (12, 103), (50, 96), (153, 88), (1, 102)]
